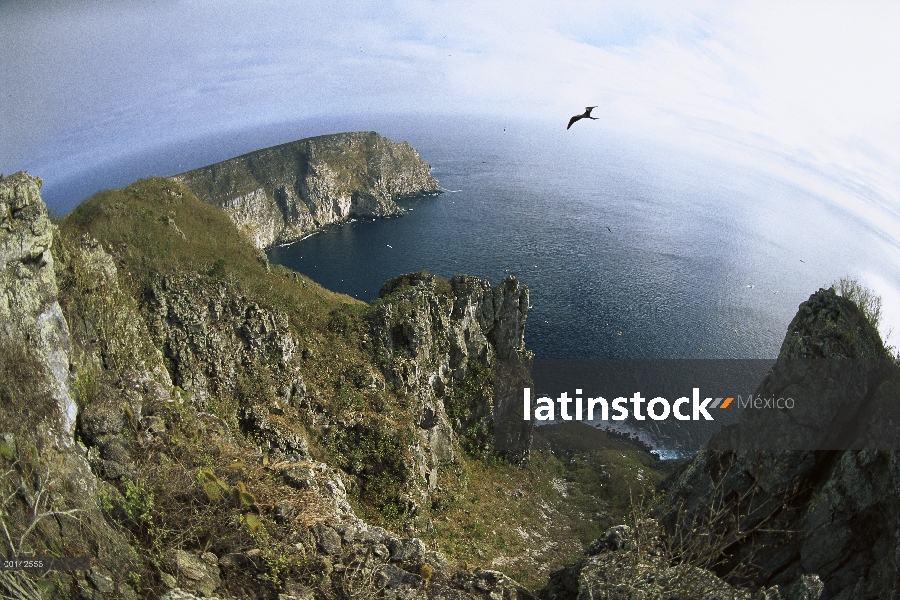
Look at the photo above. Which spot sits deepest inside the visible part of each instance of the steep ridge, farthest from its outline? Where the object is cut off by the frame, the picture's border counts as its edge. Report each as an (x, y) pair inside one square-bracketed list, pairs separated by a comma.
[(198, 422), (51, 501), (816, 486), (280, 194)]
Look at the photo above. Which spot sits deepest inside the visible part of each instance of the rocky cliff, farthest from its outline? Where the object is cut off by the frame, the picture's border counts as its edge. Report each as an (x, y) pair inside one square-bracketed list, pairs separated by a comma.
[(280, 194), (812, 490), (439, 340), (794, 503), (50, 500), (198, 422), (29, 309), (228, 411)]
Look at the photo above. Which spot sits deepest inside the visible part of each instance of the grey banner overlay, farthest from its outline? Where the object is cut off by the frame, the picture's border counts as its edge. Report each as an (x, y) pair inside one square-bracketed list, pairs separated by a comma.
[(798, 404)]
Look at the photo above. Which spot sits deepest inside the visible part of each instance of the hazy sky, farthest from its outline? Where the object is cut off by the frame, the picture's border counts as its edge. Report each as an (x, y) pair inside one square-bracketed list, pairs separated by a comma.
[(811, 87), (807, 90)]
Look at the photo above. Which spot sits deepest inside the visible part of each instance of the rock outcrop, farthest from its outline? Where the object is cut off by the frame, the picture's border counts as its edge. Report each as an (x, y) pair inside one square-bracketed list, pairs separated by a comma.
[(29, 310), (440, 340), (280, 194), (807, 490), (197, 439), (216, 397), (635, 562), (208, 335)]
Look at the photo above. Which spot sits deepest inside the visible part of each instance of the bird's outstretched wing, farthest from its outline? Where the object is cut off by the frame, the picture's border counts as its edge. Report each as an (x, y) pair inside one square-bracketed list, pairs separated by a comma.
[(573, 119)]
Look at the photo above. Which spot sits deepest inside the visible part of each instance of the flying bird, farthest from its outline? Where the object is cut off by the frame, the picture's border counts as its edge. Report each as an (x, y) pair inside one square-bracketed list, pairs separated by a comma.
[(610, 230), (586, 115)]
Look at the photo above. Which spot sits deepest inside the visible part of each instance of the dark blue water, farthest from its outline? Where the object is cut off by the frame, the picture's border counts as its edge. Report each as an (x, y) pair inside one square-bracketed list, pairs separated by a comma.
[(631, 248)]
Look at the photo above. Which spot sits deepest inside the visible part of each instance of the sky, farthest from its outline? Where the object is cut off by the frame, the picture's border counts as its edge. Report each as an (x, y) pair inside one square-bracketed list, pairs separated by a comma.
[(806, 90)]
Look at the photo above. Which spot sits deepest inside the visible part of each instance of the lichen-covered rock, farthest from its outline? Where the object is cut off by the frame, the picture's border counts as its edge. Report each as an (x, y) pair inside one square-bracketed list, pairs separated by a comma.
[(209, 335), (29, 308), (489, 584), (194, 573), (630, 562), (439, 341), (279, 194)]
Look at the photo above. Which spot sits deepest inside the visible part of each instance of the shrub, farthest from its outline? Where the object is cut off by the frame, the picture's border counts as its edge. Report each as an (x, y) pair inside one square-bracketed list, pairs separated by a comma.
[(867, 300)]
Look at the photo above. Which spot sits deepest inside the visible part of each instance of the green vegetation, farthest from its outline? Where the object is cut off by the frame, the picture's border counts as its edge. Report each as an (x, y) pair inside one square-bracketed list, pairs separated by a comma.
[(867, 300), (391, 290), (39, 512), (476, 390), (25, 401), (378, 456)]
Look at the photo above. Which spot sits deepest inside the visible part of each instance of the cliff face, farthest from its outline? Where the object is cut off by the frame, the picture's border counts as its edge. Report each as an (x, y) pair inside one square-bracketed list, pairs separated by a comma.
[(777, 502), (51, 500), (234, 419), (29, 309), (280, 194), (438, 341)]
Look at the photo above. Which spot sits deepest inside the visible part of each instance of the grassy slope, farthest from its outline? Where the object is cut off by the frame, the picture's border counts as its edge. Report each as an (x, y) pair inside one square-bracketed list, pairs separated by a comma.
[(523, 521), (529, 521)]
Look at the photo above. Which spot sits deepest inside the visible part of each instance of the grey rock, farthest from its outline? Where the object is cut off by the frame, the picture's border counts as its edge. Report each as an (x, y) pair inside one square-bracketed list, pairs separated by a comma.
[(631, 562), (348, 532), (209, 336), (807, 587), (490, 584), (390, 577), (407, 550), (327, 539), (285, 513), (115, 449), (299, 477), (437, 560), (439, 335), (179, 594), (827, 510), (153, 425), (615, 538), (296, 591), (194, 573), (126, 592), (29, 306), (100, 419), (101, 581), (236, 561)]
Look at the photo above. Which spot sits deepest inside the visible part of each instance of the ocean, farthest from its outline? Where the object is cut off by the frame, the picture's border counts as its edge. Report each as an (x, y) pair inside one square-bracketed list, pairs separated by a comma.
[(631, 249)]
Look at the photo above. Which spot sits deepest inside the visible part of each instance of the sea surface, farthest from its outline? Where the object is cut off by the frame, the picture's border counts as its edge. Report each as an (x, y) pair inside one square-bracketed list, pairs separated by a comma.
[(631, 249)]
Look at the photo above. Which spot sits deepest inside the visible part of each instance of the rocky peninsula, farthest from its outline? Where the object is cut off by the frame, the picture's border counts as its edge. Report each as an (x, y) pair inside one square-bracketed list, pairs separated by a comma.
[(278, 195)]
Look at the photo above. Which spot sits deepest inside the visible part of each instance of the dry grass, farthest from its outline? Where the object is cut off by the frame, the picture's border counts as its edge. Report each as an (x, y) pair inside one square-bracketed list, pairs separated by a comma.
[(528, 521)]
